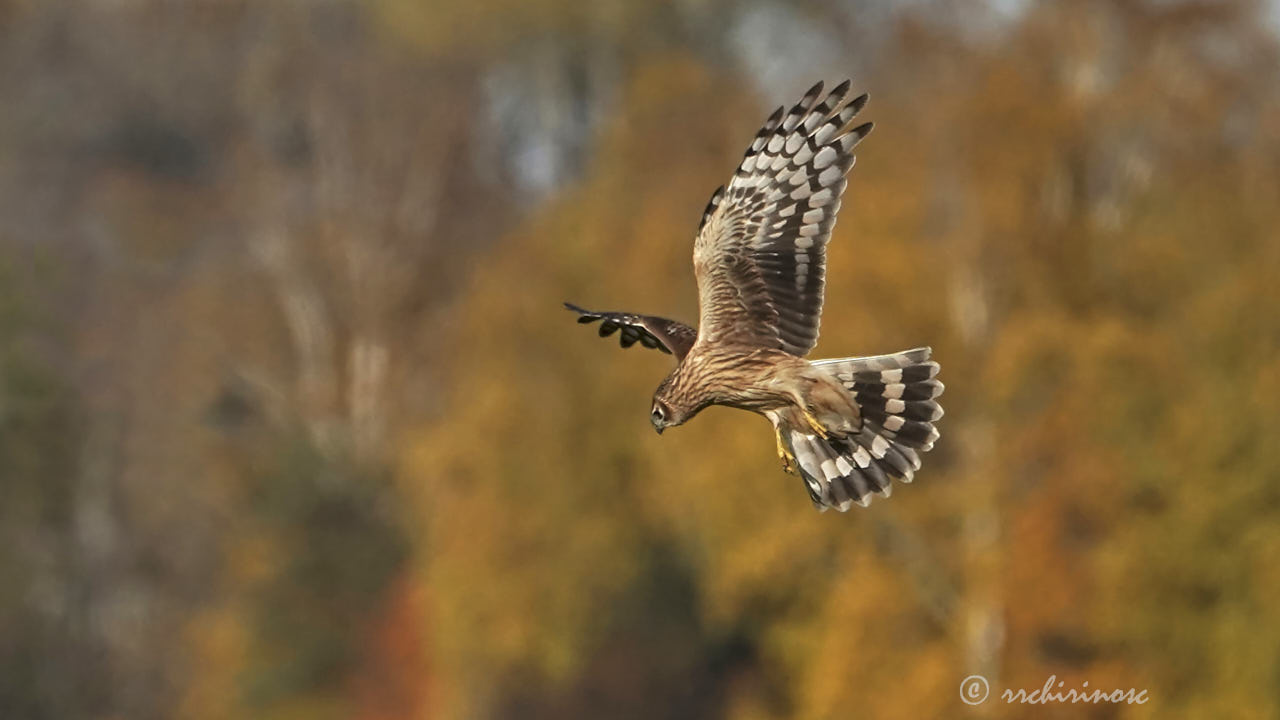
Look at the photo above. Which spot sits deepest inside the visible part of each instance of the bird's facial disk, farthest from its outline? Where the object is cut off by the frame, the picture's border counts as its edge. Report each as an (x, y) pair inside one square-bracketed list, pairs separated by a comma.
[(660, 416)]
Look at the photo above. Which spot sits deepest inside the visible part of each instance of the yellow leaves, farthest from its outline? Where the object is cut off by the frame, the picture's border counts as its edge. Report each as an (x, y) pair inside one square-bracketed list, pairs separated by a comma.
[(777, 550), (867, 653), (1090, 438), (1076, 210), (220, 640)]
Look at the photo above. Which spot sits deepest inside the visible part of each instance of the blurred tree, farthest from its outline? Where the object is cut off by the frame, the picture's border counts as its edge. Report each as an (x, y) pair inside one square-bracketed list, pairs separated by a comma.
[(291, 426), (1023, 202), (41, 533), (213, 184)]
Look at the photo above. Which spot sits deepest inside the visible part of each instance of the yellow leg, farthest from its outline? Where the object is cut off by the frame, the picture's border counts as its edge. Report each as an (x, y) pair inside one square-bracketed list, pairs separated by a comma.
[(788, 460), (813, 423)]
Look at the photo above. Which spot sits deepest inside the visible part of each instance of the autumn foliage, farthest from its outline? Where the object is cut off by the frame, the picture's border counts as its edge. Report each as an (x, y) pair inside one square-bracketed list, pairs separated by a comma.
[(292, 423)]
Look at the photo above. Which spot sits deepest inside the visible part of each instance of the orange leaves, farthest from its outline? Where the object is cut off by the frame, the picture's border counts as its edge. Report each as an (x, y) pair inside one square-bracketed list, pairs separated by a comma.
[(394, 680)]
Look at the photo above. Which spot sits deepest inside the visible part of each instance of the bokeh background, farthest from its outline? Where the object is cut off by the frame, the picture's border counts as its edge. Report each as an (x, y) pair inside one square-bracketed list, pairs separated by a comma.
[(292, 424)]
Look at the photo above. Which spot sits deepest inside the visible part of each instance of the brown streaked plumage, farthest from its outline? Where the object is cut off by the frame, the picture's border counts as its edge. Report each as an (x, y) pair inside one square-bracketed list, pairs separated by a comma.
[(847, 426)]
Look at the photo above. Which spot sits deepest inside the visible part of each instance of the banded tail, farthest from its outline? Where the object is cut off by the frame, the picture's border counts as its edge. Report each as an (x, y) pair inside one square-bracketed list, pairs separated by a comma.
[(895, 395)]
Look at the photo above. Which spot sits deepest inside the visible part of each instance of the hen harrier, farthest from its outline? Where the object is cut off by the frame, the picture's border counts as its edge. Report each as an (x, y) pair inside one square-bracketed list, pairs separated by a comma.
[(847, 426)]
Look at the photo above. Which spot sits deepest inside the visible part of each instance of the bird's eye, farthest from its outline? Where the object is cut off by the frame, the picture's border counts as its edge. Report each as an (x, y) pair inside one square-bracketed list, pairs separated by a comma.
[(658, 413)]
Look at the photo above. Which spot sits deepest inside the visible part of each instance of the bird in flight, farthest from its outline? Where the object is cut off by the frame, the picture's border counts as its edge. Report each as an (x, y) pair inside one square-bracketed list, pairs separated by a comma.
[(847, 426)]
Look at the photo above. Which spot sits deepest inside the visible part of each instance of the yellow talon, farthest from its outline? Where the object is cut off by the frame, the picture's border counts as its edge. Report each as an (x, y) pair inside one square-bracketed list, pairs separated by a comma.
[(813, 423), (788, 460), (788, 465)]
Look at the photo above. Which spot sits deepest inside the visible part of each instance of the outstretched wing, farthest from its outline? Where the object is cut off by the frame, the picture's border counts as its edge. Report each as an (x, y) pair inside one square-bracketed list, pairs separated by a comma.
[(760, 255), (669, 336)]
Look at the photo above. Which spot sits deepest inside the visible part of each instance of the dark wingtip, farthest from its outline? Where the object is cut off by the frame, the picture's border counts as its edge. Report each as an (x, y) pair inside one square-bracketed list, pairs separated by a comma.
[(584, 316)]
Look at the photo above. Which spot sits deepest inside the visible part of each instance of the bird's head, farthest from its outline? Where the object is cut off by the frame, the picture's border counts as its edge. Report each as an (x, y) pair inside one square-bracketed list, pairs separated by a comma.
[(661, 416), (667, 412), (672, 404)]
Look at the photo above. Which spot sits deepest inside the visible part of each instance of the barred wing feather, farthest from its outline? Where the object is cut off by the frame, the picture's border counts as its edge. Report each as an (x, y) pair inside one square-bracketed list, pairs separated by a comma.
[(760, 253), (669, 336)]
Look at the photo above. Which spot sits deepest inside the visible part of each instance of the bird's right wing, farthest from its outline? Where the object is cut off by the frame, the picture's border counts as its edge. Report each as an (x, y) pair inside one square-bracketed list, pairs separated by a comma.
[(760, 255), (669, 336)]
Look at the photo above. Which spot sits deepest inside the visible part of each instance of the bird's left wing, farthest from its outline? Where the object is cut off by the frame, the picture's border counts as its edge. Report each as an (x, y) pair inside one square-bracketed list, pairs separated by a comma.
[(760, 255), (669, 336)]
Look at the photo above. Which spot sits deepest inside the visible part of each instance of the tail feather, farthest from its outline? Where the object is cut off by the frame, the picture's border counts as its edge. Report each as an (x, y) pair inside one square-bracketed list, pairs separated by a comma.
[(895, 395), (807, 447), (881, 363)]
